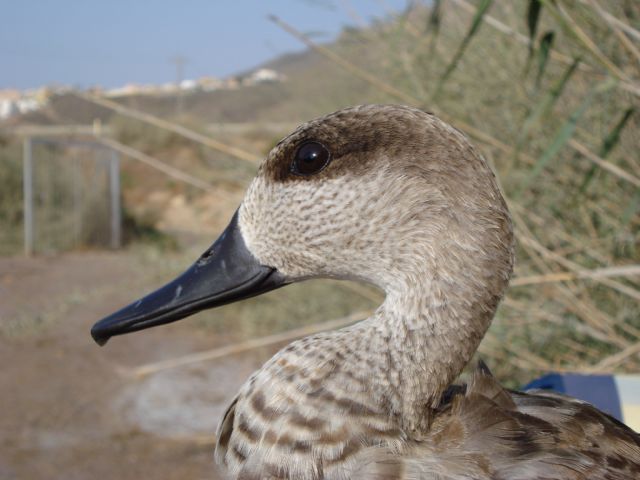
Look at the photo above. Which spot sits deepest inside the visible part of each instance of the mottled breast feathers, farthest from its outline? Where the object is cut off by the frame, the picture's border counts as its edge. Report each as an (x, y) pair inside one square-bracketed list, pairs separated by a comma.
[(306, 414), (481, 432)]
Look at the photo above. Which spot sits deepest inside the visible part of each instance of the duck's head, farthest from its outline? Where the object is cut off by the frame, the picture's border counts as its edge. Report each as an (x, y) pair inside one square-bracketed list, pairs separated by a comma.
[(381, 193)]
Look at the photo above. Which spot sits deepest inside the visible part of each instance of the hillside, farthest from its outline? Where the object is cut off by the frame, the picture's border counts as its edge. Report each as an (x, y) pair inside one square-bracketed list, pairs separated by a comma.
[(312, 85)]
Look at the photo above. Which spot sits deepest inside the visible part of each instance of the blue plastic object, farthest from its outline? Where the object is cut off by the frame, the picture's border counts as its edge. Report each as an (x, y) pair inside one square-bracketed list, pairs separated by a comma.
[(617, 395)]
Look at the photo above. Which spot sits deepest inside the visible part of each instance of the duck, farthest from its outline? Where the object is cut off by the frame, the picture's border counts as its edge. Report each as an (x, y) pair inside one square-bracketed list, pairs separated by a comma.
[(392, 196)]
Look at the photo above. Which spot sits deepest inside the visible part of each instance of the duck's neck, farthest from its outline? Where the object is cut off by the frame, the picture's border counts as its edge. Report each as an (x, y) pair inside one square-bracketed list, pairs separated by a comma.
[(420, 339)]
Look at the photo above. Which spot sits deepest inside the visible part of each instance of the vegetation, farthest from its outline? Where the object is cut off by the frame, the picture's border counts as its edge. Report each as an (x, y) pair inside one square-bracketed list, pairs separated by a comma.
[(10, 197)]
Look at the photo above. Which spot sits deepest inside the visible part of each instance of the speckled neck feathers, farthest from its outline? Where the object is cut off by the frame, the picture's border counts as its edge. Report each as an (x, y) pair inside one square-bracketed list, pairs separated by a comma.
[(406, 204)]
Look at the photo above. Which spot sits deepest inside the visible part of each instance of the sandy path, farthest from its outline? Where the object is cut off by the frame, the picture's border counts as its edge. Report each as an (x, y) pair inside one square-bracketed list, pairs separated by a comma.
[(68, 410)]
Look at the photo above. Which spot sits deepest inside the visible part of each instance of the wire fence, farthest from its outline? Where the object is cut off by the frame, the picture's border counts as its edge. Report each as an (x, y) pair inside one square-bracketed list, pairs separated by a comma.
[(71, 195)]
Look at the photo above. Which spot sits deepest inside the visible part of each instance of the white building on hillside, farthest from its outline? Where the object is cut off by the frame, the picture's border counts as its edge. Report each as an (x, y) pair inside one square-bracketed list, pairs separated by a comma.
[(264, 75)]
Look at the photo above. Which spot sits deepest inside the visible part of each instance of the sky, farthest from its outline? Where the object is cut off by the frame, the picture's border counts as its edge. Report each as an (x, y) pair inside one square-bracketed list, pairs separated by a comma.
[(85, 43)]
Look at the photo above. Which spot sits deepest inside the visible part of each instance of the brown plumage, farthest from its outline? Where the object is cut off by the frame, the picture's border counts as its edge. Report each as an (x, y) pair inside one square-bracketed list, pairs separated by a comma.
[(392, 196), (487, 432), (480, 431)]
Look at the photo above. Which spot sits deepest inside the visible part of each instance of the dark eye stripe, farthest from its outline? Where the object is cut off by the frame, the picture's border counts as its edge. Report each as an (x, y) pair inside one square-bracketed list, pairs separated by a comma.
[(310, 158)]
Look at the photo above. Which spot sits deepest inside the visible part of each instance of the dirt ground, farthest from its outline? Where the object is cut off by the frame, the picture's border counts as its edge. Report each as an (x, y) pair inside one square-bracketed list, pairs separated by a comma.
[(70, 410)]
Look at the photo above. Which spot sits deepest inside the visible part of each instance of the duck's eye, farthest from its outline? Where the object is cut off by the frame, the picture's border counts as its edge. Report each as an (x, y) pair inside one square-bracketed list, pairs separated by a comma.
[(310, 158)]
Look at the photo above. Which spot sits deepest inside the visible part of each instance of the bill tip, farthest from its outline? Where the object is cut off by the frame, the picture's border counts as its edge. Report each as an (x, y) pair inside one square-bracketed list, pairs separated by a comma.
[(100, 339)]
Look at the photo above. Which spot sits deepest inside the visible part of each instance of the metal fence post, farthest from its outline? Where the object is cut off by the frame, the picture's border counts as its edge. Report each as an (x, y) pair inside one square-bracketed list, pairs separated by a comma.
[(116, 214), (77, 201), (27, 191)]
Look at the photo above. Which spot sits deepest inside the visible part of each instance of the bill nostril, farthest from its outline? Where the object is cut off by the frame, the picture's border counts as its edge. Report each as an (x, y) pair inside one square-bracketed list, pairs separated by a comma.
[(209, 252), (206, 256)]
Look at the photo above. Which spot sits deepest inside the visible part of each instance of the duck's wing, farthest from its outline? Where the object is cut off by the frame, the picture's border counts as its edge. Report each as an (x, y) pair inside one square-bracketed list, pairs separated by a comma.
[(489, 433)]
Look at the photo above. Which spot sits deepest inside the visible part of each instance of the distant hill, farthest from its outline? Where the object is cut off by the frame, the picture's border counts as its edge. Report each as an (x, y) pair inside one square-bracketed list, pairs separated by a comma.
[(313, 86)]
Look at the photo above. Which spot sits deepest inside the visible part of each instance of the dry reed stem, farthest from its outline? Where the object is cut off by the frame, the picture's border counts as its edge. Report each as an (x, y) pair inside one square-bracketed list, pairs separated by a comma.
[(578, 347), (522, 357), (504, 28), (159, 165), (616, 359), (584, 307), (592, 316), (604, 164), (557, 9), (170, 126), (545, 316), (628, 29), (248, 345), (617, 271), (334, 57), (620, 35), (529, 238), (564, 236), (537, 314), (577, 269)]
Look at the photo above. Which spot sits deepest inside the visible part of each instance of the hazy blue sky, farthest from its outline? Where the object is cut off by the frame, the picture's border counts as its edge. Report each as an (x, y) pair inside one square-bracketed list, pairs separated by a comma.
[(112, 42)]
